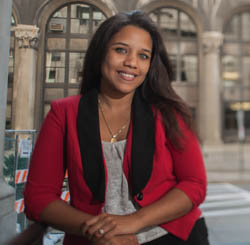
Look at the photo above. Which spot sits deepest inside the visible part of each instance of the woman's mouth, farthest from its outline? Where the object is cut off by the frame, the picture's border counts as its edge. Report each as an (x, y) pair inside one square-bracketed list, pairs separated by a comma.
[(127, 76)]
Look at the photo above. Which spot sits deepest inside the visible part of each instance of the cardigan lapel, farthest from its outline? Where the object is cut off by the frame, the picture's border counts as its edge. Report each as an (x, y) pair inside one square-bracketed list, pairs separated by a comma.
[(141, 147), (143, 143), (90, 144)]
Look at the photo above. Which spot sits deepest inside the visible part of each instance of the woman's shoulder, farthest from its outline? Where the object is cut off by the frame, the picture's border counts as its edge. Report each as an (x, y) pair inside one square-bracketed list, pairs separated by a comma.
[(70, 100), (67, 105)]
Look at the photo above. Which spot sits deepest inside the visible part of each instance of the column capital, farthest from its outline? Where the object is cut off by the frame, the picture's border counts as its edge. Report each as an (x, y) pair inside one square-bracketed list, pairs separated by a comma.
[(212, 41), (27, 36)]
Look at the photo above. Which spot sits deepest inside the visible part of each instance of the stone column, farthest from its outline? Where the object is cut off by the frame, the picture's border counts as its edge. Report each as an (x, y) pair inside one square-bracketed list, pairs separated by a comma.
[(210, 90), (7, 198), (25, 76)]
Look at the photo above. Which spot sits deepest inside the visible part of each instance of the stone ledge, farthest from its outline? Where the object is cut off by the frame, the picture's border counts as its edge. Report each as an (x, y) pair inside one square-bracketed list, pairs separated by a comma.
[(7, 227), (234, 177), (7, 198), (7, 213)]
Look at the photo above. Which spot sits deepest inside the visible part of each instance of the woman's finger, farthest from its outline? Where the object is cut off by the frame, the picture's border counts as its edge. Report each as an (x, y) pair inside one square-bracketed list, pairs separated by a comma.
[(94, 220), (99, 229)]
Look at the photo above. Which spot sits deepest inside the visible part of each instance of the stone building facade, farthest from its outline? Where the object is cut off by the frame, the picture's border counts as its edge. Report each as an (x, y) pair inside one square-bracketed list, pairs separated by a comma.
[(208, 42)]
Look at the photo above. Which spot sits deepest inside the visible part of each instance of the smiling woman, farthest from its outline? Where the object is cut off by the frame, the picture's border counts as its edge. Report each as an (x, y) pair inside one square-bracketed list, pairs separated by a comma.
[(135, 170)]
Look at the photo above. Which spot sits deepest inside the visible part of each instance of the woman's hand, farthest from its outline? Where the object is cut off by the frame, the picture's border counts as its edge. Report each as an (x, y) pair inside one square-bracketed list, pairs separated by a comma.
[(118, 240), (109, 225)]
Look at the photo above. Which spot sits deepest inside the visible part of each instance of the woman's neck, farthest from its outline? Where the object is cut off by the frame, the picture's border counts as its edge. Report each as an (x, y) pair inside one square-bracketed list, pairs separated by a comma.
[(115, 103)]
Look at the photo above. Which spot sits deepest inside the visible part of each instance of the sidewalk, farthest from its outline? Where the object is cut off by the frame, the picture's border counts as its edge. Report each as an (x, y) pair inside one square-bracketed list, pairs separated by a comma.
[(227, 213)]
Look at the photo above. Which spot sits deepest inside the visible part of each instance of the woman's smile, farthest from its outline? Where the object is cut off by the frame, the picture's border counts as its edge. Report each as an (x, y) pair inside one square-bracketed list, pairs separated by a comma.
[(127, 76)]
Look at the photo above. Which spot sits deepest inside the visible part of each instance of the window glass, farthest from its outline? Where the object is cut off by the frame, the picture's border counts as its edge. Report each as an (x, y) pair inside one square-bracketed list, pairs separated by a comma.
[(153, 17), (232, 48), (230, 118), (173, 61), (180, 37), (232, 29), (73, 91), (247, 118), (80, 18), (53, 93), (80, 44), (55, 67), (168, 21), (11, 68), (55, 75), (231, 74), (13, 22), (79, 26), (75, 67), (187, 27), (80, 11), (61, 13), (56, 43), (246, 71), (245, 27), (188, 47), (46, 109), (189, 68), (58, 23), (55, 59), (98, 18)]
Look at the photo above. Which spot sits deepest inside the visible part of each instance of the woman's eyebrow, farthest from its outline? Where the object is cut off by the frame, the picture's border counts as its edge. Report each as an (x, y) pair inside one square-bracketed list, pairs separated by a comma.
[(146, 50), (125, 44), (120, 43)]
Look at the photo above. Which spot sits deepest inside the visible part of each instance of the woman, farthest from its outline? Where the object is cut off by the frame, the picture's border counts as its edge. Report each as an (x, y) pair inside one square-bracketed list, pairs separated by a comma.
[(135, 169)]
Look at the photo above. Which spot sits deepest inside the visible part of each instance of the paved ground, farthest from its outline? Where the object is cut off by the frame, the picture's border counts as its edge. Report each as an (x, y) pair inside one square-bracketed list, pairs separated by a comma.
[(227, 213)]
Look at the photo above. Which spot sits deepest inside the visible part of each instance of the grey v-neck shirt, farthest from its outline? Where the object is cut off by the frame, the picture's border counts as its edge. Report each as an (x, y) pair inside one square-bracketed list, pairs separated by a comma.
[(118, 200)]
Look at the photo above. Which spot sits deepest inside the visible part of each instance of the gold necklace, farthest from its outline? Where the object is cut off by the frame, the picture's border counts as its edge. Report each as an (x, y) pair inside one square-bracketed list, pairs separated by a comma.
[(113, 136)]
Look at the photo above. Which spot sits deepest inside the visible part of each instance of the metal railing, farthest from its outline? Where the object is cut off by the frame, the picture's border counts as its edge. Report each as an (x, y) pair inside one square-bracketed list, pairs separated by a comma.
[(17, 152), (18, 148)]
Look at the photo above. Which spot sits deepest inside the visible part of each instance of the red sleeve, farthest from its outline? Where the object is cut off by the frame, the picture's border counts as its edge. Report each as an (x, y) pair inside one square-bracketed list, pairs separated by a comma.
[(46, 172), (189, 167)]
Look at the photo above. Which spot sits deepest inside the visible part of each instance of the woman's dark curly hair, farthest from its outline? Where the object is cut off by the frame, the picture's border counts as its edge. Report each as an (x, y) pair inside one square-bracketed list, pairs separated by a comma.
[(156, 88)]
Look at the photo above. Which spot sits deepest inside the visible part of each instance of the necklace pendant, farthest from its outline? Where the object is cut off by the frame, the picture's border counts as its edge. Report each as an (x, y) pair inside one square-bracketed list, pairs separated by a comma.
[(113, 140)]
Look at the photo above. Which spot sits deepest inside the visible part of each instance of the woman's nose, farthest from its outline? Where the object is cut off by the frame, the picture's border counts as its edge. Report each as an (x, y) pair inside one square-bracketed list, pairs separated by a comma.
[(131, 61)]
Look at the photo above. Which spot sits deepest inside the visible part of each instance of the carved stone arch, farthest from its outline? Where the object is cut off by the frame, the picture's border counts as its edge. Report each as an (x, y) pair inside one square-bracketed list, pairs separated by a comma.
[(15, 13), (187, 8), (230, 14), (48, 7)]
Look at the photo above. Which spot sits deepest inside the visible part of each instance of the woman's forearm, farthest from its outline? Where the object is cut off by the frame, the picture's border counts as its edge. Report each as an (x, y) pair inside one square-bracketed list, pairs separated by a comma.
[(62, 216), (172, 206)]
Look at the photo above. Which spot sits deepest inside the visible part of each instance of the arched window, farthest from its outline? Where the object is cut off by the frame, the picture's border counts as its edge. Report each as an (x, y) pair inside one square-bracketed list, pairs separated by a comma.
[(236, 78), (10, 76), (67, 34), (180, 35)]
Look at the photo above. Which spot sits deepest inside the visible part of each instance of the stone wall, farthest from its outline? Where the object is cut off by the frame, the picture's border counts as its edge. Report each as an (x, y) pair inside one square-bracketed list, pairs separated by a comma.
[(7, 214)]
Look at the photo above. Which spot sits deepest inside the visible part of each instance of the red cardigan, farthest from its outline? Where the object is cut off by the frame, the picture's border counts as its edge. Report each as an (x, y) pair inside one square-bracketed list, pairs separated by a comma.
[(171, 168)]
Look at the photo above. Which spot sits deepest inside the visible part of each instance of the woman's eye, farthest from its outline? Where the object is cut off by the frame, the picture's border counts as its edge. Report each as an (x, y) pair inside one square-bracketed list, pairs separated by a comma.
[(144, 56), (120, 50)]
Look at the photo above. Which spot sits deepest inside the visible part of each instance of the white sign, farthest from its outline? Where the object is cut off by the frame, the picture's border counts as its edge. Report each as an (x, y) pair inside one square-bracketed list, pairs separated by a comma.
[(25, 148)]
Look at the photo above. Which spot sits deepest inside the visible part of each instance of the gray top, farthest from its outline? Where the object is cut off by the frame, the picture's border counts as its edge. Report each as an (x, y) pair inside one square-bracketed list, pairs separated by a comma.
[(118, 200)]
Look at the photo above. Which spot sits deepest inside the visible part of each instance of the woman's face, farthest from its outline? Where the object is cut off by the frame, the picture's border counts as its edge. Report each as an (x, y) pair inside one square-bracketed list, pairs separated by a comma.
[(127, 61)]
